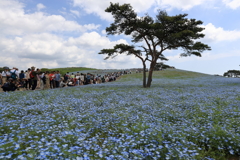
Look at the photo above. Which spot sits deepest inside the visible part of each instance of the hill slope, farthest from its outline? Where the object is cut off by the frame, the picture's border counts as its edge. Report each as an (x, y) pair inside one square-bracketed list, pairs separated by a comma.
[(68, 69), (165, 74)]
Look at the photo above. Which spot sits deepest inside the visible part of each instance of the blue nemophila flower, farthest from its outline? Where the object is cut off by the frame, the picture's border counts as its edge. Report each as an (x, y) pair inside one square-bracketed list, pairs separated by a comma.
[(173, 119)]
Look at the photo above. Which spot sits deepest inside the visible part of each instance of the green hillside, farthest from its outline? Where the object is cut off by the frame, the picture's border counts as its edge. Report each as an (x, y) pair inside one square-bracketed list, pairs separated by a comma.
[(177, 74), (167, 73), (68, 69)]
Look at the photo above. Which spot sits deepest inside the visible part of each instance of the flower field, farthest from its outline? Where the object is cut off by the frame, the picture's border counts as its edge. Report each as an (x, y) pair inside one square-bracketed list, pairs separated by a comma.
[(184, 115)]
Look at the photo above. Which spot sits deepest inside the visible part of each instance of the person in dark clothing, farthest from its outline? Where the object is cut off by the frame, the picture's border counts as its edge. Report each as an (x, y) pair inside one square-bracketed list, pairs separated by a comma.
[(88, 78), (21, 75), (33, 76), (9, 86)]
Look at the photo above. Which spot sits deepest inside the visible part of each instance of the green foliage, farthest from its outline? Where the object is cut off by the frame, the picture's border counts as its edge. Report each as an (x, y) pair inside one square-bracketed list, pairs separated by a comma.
[(161, 65), (232, 73)]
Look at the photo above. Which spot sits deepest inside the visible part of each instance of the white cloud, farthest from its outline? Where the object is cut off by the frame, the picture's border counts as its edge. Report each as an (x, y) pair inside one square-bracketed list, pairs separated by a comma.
[(206, 56), (104, 32), (40, 6), (76, 13), (183, 4), (214, 34), (234, 4), (12, 14), (49, 50), (35, 39), (12, 4), (98, 7)]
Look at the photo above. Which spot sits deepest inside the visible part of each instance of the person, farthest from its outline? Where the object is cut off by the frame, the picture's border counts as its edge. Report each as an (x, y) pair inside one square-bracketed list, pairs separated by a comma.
[(42, 80), (81, 79), (5, 75), (20, 84), (9, 85), (88, 77), (77, 80), (103, 79), (21, 75), (57, 79), (52, 82), (38, 79), (99, 79), (14, 73), (71, 83), (47, 77), (106, 78), (66, 76), (0, 79), (63, 83), (34, 78), (28, 79), (72, 76)]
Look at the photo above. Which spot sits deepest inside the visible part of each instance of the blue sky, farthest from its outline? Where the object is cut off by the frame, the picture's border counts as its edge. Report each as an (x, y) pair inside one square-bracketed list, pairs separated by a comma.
[(69, 33)]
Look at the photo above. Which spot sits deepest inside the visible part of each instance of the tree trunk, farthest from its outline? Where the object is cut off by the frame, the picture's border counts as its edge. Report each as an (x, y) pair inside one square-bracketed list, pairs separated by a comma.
[(144, 75), (150, 72), (149, 81)]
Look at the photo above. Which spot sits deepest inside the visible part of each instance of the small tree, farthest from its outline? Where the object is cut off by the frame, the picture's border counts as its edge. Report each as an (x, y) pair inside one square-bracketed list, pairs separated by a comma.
[(155, 36), (160, 66), (232, 73)]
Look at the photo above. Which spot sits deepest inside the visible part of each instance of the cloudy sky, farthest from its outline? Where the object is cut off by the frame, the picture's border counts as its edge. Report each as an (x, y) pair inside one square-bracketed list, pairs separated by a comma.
[(69, 33)]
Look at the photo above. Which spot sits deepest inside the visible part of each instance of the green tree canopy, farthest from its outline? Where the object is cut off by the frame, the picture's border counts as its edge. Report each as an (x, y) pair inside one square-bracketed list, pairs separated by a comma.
[(151, 37)]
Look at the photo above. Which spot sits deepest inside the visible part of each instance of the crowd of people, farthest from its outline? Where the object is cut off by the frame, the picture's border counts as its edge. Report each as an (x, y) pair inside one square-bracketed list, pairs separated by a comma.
[(32, 78)]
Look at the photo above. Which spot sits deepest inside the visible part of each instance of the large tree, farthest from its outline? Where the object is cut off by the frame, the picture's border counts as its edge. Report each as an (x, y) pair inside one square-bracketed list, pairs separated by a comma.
[(151, 37)]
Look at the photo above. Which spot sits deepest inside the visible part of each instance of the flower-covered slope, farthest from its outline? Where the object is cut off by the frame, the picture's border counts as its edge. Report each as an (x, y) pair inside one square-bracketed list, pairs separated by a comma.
[(191, 116)]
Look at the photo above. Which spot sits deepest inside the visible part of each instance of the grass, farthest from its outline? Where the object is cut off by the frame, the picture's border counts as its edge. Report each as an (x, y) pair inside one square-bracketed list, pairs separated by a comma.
[(178, 74), (194, 116), (69, 69), (165, 74)]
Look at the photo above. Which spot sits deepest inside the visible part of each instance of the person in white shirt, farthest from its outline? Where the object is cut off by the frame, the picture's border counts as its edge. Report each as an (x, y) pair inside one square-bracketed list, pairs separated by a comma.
[(81, 79), (14, 70), (5, 75), (62, 84)]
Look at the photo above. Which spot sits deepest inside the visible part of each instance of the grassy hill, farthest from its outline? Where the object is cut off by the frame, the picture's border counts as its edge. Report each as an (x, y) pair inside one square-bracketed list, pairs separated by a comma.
[(177, 74), (68, 69), (165, 74)]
